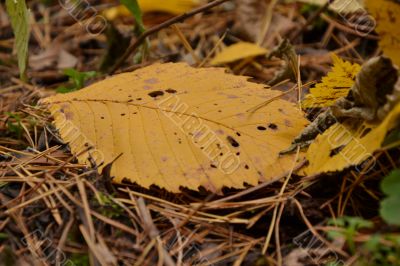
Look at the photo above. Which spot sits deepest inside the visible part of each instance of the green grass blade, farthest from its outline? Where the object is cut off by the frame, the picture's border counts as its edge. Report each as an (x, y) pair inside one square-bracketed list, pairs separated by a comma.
[(133, 7), (19, 17)]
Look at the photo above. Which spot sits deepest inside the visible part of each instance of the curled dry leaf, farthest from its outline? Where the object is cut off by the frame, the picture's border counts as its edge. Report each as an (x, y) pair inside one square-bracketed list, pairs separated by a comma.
[(373, 95), (373, 111), (55, 55), (347, 144), (176, 126)]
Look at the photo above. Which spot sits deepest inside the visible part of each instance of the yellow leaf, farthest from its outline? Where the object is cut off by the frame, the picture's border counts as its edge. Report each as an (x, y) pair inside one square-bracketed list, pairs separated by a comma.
[(115, 12), (333, 86), (176, 126), (344, 145), (238, 51), (171, 6), (387, 18)]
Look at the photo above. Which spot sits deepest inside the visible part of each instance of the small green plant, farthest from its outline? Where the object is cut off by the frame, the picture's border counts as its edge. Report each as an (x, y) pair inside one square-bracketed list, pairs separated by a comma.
[(76, 79), (134, 8), (14, 125), (110, 208), (348, 228), (381, 250), (79, 259), (390, 206)]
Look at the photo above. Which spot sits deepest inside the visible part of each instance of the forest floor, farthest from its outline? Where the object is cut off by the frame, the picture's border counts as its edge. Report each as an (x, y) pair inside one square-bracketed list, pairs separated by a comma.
[(55, 211)]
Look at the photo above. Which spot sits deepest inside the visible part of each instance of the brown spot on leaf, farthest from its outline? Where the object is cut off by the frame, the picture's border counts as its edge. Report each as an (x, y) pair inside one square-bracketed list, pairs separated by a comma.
[(273, 126), (155, 94), (170, 90), (336, 150), (232, 141), (365, 132)]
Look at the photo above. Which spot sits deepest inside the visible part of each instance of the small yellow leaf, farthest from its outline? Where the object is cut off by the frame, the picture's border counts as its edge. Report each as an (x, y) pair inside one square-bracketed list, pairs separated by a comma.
[(345, 145), (115, 12), (387, 18), (171, 6), (176, 126), (333, 86), (238, 51)]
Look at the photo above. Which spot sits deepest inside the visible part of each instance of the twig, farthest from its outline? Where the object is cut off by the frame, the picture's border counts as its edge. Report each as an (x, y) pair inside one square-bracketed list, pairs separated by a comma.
[(159, 27)]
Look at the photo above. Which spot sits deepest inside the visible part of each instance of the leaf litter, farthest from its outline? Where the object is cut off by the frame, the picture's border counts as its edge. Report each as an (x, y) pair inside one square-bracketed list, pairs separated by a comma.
[(63, 205)]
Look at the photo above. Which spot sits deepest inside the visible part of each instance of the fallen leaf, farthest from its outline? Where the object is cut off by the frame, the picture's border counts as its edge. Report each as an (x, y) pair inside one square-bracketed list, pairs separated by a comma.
[(66, 60), (115, 12), (375, 92), (176, 126), (51, 57), (45, 58), (334, 85), (238, 51), (173, 6), (348, 144), (387, 18)]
